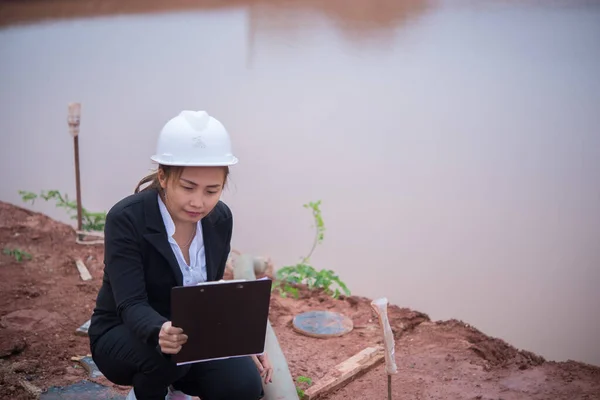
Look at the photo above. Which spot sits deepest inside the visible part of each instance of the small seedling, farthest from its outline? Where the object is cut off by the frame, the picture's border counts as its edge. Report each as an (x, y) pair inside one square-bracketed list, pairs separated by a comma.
[(91, 221), (304, 273), (301, 380), (18, 254)]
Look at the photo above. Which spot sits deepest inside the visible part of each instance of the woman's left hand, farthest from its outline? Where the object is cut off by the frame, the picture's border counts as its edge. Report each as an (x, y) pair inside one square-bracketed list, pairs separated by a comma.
[(264, 367)]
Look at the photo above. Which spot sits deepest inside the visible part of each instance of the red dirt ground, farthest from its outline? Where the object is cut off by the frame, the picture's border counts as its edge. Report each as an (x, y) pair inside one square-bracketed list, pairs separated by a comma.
[(43, 301)]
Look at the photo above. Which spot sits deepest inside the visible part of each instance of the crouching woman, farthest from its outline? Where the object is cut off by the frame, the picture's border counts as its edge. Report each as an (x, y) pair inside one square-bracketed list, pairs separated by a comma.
[(174, 231)]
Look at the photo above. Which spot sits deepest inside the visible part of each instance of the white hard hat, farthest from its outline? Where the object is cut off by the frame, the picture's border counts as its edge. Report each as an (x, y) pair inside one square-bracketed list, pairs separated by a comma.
[(194, 138)]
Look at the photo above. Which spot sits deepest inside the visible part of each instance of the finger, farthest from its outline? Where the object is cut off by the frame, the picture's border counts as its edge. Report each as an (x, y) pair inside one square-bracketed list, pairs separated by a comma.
[(171, 330), (257, 363), (168, 344), (169, 350), (269, 368), (168, 335), (167, 339), (266, 368), (176, 338)]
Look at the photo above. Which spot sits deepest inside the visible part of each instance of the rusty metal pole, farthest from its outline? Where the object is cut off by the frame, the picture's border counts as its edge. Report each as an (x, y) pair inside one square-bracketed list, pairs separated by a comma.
[(74, 120)]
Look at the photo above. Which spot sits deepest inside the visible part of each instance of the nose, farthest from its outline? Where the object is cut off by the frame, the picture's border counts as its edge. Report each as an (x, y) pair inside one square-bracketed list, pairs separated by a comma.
[(197, 201)]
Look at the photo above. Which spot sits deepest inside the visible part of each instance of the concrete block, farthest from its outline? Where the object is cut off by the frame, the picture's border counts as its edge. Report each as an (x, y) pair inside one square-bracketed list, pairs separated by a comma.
[(83, 329), (83, 390), (90, 366)]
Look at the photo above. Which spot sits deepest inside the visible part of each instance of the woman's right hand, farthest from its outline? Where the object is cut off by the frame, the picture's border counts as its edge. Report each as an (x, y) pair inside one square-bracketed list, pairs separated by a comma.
[(170, 338)]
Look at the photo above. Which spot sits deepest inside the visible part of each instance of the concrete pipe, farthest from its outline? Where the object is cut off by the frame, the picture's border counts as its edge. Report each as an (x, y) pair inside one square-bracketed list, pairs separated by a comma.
[(282, 387)]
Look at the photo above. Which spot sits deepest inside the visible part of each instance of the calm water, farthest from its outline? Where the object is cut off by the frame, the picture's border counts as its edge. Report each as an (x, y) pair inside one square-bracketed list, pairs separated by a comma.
[(455, 145)]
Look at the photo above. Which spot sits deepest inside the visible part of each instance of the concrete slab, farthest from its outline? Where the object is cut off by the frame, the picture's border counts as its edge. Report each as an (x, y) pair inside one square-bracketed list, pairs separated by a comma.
[(83, 390), (90, 366), (83, 329), (322, 324)]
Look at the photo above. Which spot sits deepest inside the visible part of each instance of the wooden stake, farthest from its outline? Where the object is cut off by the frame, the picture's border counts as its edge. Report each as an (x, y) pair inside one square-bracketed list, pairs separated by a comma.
[(83, 271), (74, 120), (345, 371), (379, 306)]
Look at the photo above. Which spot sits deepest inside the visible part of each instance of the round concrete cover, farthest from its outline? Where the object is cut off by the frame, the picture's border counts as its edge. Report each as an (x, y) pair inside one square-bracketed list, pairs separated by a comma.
[(322, 324)]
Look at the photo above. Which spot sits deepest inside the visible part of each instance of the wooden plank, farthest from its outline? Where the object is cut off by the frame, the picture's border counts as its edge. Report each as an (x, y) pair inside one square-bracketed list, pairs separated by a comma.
[(79, 358), (83, 271), (345, 371)]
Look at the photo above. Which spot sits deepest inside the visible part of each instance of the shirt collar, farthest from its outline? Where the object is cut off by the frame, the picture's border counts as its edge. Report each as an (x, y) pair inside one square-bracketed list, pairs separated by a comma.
[(168, 221), (169, 224)]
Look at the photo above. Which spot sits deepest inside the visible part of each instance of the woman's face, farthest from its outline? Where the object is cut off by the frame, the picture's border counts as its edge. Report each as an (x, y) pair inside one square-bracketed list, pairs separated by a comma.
[(194, 194)]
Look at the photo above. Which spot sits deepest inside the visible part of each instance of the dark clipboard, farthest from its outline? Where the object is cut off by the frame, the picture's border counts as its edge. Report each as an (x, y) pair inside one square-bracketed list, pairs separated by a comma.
[(221, 319)]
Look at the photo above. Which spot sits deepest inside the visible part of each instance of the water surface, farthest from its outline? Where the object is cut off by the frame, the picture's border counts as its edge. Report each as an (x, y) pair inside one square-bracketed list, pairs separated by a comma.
[(455, 145)]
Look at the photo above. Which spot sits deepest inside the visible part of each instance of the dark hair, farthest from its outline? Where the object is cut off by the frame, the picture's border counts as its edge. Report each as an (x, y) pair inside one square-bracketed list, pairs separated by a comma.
[(171, 172)]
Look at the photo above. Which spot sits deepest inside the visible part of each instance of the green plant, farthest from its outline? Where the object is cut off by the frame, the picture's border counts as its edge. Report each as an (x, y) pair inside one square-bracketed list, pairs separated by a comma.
[(90, 221), (303, 272), (18, 254), (300, 380)]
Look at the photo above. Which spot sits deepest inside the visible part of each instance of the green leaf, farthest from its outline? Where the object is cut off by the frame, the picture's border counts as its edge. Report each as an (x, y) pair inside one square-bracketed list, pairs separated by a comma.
[(304, 272), (90, 220), (304, 379)]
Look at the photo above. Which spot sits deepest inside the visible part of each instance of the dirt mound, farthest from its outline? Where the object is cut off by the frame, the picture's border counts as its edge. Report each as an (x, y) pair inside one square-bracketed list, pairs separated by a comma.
[(11, 343), (495, 351), (44, 301), (404, 320), (28, 320), (437, 361)]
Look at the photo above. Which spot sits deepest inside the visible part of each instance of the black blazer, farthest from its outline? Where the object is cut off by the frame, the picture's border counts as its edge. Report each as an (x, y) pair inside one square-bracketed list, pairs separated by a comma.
[(140, 267)]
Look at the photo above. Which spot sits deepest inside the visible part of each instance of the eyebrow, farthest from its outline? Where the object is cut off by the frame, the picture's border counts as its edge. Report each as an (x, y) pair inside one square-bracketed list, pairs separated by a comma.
[(195, 184)]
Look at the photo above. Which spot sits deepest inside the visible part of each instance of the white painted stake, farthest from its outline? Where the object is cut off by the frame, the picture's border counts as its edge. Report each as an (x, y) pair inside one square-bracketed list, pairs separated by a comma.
[(380, 307), (83, 271)]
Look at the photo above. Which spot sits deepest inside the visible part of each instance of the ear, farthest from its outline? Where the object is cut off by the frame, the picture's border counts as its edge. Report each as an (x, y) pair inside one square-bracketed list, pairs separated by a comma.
[(162, 178)]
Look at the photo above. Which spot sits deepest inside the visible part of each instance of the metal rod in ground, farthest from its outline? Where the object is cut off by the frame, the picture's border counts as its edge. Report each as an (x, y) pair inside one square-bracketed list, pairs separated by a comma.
[(389, 387), (74, 120)]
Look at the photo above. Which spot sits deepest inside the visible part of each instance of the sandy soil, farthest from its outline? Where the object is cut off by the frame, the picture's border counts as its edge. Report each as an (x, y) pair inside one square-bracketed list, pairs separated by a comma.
[(43, 300)]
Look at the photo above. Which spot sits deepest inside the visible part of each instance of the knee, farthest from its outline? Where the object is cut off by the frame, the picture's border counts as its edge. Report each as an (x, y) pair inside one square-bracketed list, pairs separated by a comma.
[(245, 390), (162, 369), (247, 386)]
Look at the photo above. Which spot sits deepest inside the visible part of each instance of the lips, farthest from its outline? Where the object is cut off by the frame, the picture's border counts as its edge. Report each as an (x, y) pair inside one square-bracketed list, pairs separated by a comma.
[(193, 214)]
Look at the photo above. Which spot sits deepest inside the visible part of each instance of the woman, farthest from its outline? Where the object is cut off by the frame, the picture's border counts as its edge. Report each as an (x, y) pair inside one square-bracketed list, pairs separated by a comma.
[(173, 232)]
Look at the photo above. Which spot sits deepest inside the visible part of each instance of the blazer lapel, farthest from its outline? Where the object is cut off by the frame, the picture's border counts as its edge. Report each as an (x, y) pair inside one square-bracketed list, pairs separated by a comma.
[(158, 234), (160, 243), (214, 244), (208, 234)]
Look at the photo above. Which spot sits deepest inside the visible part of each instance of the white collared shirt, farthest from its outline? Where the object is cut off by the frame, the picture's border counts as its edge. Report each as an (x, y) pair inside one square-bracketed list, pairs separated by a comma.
[(195, 272)]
